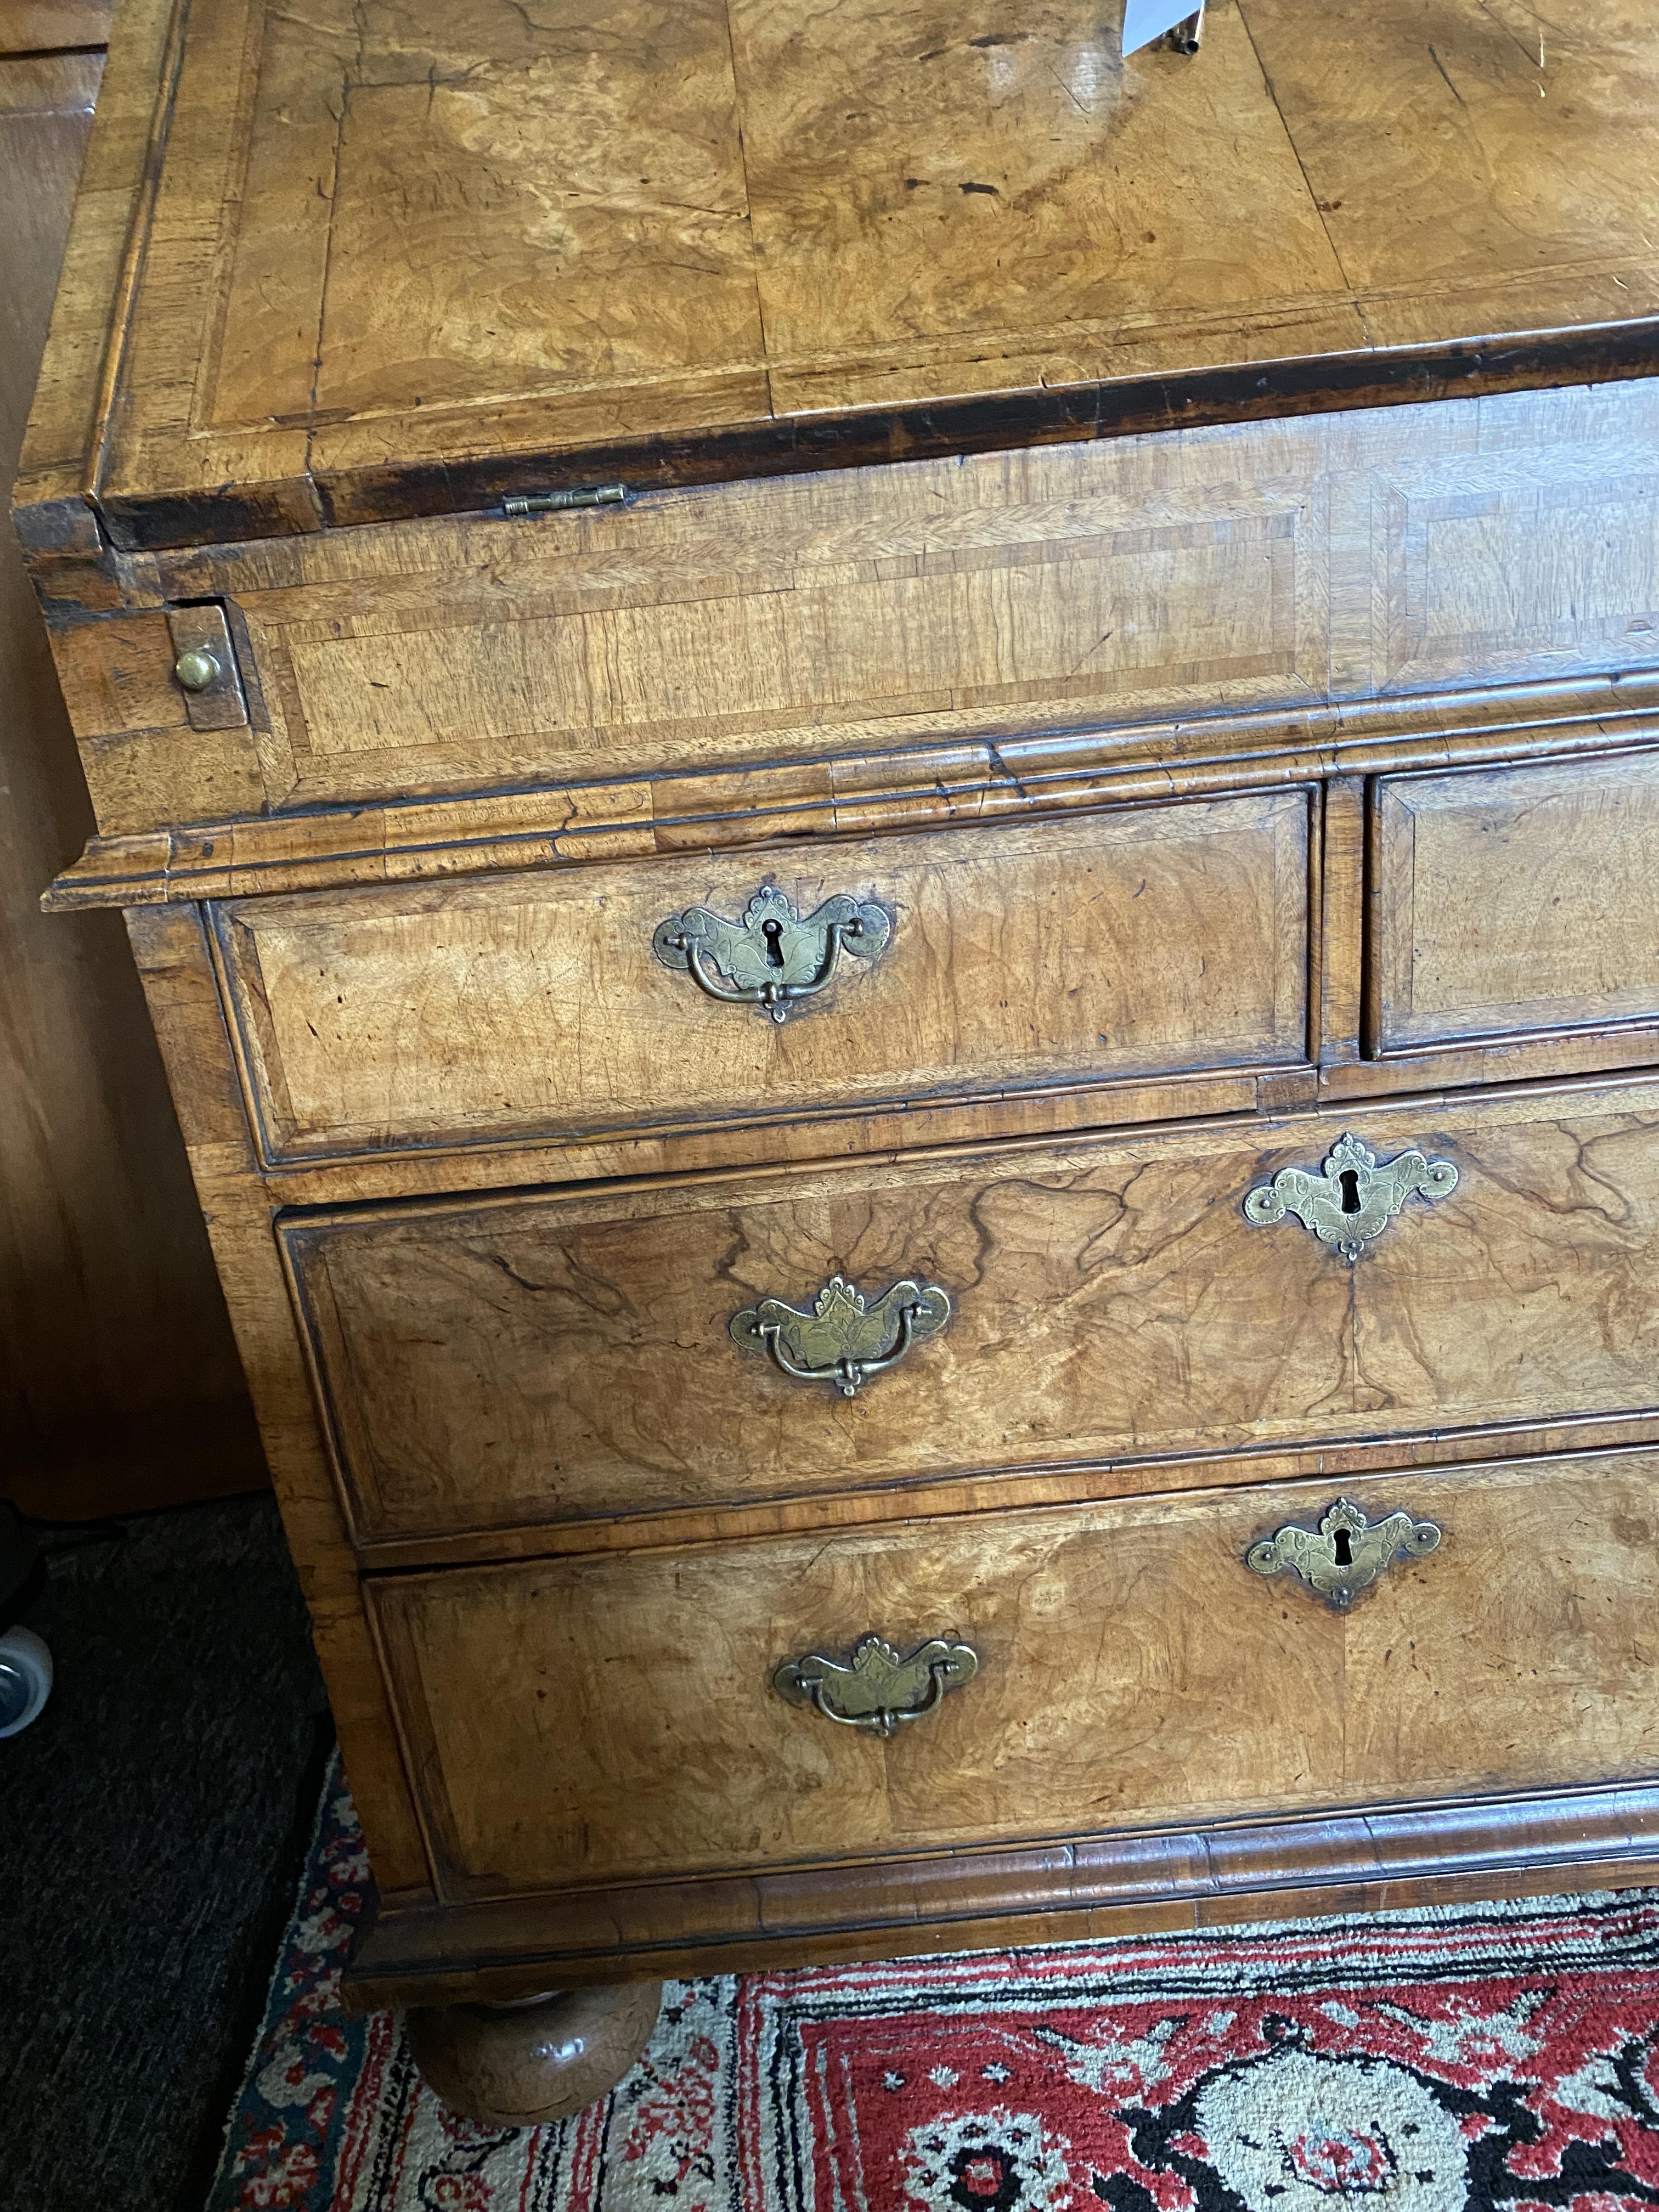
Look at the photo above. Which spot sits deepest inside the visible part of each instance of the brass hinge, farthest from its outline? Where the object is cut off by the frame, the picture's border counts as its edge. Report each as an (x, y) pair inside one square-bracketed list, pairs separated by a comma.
[(554, 502)]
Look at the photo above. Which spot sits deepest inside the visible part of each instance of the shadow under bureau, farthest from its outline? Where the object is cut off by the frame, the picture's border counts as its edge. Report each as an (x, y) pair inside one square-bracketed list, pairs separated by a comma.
[(900, 879)]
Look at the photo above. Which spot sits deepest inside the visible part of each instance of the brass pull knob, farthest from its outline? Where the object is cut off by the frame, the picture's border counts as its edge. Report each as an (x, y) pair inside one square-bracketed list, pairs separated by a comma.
[(1345, 1553), (842, 1339), (772, 957), (875, 1689), (197, 669), (1353, 1198)]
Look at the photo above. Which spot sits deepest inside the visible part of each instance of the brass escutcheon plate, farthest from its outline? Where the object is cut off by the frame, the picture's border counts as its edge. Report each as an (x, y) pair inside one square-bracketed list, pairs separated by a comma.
[(1345, 1553), (1353, 1198)]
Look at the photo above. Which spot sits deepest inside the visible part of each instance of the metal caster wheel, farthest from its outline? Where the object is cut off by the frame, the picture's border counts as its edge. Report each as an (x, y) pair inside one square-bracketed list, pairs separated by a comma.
[(25, 1679)]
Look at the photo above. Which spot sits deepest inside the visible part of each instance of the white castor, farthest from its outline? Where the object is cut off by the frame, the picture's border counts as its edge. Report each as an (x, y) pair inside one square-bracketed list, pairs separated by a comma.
[(25, 1679)]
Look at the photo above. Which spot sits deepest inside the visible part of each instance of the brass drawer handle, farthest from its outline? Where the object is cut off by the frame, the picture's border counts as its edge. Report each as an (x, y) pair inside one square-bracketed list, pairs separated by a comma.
[(1345, 1553), (875, 1689), (1353, 1198), (771, 958), (842, 1339)]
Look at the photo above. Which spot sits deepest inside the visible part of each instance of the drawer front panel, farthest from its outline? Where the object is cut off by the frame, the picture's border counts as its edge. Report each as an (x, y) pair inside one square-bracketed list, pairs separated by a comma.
[(526, 1359), (1516, 900), (1161, 939), (577, 1720)]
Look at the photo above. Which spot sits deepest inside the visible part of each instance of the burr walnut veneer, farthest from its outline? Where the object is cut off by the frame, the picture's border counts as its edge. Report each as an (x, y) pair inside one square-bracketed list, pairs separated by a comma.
[(890, 799)]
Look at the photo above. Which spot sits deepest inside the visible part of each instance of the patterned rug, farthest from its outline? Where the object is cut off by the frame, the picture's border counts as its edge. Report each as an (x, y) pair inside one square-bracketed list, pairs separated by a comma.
[(1485, 2057)]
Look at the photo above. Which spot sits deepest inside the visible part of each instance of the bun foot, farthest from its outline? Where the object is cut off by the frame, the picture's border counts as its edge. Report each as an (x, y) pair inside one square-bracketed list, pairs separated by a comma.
[(543, 2058)]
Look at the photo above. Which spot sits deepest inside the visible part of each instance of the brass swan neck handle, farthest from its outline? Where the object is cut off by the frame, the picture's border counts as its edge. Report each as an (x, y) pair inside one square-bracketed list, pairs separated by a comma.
[(774, 996), (874, 1689), (772, 957), (843, 1338)]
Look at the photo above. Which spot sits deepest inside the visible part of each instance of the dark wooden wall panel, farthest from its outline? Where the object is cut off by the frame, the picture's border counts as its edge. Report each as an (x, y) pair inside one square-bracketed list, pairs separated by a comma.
[(119, 1386)]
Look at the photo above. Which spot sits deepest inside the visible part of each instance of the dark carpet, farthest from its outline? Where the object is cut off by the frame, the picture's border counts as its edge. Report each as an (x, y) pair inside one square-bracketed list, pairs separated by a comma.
[(152, 1824)]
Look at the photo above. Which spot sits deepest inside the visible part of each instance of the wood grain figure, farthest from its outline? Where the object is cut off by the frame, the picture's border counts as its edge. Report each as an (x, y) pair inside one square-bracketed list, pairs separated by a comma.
[(582, 1721), (530, 1358)]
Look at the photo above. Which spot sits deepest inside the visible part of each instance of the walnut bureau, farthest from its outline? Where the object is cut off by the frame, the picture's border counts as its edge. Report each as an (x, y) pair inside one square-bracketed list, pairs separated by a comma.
[(891, 799)]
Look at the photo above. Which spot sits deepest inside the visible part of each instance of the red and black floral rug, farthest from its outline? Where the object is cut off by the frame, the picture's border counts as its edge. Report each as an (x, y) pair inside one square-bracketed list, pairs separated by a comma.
[(1496, 2056)]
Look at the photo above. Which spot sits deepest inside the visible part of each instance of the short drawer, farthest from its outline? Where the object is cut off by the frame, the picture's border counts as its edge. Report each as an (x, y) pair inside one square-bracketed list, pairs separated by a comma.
[(529, 1358), (1160, 938), (592, 1719), (1514, 900)]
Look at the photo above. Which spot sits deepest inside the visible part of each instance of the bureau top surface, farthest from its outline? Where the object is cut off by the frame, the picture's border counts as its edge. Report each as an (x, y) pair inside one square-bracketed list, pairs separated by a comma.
[(377, 260)]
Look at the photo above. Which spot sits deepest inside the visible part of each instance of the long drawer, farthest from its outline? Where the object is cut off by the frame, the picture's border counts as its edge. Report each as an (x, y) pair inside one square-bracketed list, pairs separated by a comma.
[(582, 1720), (1153, 940), (532, 1357)]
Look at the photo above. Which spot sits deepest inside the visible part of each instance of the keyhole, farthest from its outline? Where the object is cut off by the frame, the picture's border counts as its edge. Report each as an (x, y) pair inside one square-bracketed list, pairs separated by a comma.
[(1344, 1549), (773, 933), (1349, 1182)]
